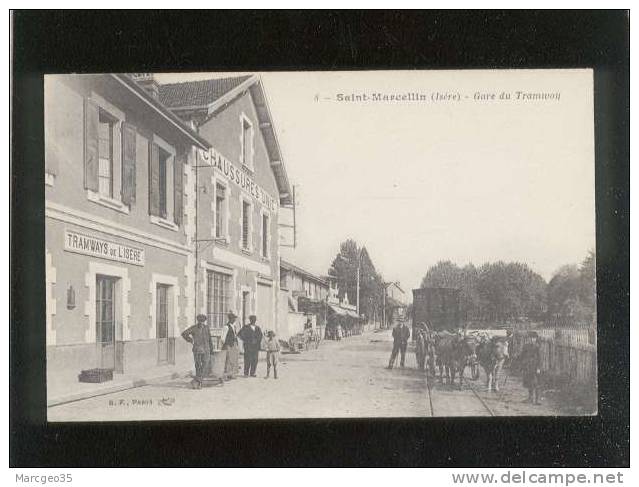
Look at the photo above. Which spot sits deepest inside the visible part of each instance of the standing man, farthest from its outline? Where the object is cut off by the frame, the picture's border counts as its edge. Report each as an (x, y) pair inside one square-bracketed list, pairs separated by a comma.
[(530, 363), (231, 346), (251, 336), (199, 335), (401, 335)]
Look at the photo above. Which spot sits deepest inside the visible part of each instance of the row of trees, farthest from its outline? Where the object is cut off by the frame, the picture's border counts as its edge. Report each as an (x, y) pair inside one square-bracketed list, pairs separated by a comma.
[(503, 291), (497, 291)]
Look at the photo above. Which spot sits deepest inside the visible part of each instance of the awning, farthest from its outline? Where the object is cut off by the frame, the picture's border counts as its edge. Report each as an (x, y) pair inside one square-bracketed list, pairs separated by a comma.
[(338, 310)]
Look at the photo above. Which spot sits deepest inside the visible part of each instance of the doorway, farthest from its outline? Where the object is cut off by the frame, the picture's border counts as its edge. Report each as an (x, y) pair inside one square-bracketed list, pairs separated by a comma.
[(105, 313), (162, 322), (245, 307)]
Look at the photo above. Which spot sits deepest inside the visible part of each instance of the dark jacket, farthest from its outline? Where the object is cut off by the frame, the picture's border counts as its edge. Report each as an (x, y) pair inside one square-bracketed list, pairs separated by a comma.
[(401, 334), (231, 338), (200, 337), (252, 338)]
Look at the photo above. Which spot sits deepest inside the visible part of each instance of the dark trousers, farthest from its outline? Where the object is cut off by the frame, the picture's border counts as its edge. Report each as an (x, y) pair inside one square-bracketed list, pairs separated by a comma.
[(398, 347), (202, 361), (250, 361)]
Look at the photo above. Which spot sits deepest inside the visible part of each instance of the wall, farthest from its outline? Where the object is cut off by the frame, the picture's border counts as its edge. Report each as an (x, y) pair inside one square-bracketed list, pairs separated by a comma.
[(248, 268), (71, 342)]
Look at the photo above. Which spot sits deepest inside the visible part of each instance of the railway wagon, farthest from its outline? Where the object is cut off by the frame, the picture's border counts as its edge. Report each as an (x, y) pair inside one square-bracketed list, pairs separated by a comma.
[(438, 306)]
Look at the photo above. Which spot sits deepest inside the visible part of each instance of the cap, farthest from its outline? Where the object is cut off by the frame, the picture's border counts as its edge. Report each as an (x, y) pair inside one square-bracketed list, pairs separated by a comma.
[(252, 317), (231, 313), (200, 318)]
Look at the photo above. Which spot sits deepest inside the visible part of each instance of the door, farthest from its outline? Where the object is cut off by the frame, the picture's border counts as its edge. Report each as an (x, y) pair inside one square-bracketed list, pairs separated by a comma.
[(105, 321), (245, 311), (265, 307), (162, 322)]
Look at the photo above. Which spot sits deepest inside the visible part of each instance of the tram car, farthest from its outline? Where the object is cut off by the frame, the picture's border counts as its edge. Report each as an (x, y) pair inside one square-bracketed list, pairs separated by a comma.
[(439, 307)]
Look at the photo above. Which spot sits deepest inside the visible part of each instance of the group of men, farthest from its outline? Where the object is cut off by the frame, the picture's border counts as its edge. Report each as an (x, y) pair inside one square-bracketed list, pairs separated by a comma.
[(529, 361), (253, 340)]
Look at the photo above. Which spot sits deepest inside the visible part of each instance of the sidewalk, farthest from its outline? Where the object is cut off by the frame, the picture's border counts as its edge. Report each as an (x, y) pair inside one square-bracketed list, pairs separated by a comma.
[(63, 391)]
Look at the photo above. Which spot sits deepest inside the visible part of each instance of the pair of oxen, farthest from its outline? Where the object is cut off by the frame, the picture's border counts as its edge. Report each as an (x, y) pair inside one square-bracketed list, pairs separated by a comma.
[(452, 353)]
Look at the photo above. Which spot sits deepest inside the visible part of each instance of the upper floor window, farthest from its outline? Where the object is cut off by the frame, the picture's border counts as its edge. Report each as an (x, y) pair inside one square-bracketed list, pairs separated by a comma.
[(220, 211), (105, 153), (265, 235), (246, 154), (166, 185), (109, 155), (246, 223), (163, 159)]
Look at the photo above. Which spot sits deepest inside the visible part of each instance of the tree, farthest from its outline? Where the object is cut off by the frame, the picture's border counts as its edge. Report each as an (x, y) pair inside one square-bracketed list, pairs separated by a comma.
[(493, 292), (344, 268)]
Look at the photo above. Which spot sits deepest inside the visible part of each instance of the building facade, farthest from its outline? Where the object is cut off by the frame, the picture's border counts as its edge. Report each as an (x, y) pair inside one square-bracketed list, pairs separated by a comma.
[(119, 216), (395, 304), (303, 296), (241, 185)]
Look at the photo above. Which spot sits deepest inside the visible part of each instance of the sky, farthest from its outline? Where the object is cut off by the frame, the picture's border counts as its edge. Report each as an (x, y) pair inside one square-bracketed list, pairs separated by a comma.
[(416, 182)]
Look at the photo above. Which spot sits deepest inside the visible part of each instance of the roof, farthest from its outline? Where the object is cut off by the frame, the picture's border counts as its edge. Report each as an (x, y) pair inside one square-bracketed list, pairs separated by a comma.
[(159, 108), (212, 95), (201, 93), (292, 267)]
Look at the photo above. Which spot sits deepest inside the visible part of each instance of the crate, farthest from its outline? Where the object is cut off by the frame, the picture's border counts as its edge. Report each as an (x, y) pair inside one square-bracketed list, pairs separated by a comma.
[(96, 375)]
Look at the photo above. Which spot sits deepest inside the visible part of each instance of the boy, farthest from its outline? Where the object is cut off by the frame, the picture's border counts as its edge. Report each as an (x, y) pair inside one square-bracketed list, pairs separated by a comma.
[(272, 353)]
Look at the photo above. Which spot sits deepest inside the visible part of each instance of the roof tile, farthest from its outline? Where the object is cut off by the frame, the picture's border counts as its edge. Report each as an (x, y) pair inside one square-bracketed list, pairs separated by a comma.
[(197, 93)]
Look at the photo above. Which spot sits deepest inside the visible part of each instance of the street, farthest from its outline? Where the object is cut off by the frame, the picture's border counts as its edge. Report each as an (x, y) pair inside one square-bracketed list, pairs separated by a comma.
[(345, 379)]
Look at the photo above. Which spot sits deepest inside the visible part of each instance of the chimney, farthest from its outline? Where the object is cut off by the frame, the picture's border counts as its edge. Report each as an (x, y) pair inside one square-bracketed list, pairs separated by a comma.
[(148, 82)]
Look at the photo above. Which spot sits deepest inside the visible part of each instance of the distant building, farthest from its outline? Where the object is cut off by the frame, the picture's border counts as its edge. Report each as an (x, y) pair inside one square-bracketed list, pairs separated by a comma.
[(304, 296), (340, 311), (396, 302)]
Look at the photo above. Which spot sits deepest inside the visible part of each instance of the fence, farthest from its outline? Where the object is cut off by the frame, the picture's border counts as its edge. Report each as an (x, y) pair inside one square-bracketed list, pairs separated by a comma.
[(567, 354)]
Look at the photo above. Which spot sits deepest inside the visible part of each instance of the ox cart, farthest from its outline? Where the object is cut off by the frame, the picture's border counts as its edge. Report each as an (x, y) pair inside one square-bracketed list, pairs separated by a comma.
[(437, 329)]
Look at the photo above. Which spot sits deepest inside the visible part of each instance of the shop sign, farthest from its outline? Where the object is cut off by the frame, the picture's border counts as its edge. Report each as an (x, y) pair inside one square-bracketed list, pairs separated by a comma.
[(238, 176), (99, 247)]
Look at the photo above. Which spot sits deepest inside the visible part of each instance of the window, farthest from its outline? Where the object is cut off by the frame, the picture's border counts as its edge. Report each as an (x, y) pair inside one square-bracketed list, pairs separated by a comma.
[(218, 297), (105, 154), (109, 155), (247, 143), (246, 220), (165, 185), (283, 279), (265, 236), (162, 180), (220, 211)]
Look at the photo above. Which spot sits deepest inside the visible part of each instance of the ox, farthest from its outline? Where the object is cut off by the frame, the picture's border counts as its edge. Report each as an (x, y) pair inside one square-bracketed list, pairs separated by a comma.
[(491, 354), (454, 354)]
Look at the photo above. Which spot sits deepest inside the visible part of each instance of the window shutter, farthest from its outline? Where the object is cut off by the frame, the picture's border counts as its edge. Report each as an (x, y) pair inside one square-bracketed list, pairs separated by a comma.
[(128, 164), (154, 179), (178, 190), (91, 122)]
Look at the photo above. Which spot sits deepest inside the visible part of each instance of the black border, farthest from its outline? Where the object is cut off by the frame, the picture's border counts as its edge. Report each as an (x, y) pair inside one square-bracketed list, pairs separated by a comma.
[(80, 41)]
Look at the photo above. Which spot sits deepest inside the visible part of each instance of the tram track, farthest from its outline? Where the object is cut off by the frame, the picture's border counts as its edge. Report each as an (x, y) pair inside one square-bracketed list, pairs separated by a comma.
[(481, 399)]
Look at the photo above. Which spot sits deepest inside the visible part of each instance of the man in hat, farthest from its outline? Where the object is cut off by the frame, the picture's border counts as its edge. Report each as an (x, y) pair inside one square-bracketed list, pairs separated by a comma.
[(530, 363), (401, 335), (199, 335), (251, 336), (230, 344)]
